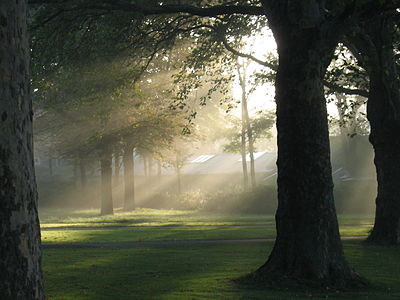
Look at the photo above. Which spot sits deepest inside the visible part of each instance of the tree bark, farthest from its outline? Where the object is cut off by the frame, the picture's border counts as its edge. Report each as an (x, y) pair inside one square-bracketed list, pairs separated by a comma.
[(383, 112), (20, 270), (308, 248), (243, 154), (145, 166), (106, 182), (117, 168), (50, 166), (129, 179), (246, 122), (178, 175), (82, 169), (243, 151)]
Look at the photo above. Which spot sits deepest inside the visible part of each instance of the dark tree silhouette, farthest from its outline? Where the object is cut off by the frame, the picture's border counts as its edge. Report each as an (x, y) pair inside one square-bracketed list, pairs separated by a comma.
[(20, 275)]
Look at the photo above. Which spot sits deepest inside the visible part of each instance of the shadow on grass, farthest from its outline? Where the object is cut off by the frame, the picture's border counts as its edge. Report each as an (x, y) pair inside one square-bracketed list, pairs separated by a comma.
[(198, 272)]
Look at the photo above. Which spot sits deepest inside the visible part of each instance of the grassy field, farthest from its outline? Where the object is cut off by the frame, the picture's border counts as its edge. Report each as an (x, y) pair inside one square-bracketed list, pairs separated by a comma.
[(188, 271), (168, 225)]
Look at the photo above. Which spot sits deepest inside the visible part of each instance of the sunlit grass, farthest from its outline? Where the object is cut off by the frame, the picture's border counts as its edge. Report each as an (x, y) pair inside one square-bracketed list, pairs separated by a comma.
[(147, 217), (158, 234), (188, 271), (144, 225), (160, 217), (197, 272)]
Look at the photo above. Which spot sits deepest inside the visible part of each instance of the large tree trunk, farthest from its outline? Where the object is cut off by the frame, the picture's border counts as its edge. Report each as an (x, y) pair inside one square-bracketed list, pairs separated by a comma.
[(129, 179), (20, 271), (383, 112), (106, 182), (308, 248)]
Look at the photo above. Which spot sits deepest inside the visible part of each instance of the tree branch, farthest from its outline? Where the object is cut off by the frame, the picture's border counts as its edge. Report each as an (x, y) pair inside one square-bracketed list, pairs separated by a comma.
[(347, 91), (212, 11)]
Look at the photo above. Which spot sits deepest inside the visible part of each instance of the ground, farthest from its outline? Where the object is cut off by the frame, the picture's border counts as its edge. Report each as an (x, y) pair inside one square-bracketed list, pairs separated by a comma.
[(193, 270)]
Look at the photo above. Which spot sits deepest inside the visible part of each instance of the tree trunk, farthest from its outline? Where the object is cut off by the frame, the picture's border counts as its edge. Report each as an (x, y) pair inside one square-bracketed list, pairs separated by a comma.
[(243, 154), (129, 179), (249, 131), (50, 166), (150, 166), (20, 270), (145, 166), (242, 69), (117, 169), (106, 182), (308, 248), (75, 174), (82, 169), (159, 169), (178, 179), (383, 112)]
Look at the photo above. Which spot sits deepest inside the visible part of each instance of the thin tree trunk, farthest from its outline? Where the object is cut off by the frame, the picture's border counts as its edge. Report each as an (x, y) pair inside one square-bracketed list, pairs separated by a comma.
[(106, 182), (179, 180), (50, 166), (251, 147), (75, 174), (129, 179), (243, 154), (159, 175), (82, 169), (246, 120), (20, 270), (243, 143), (117, 169), (150, 165), (341, 105), (308, 248), (145, 166)]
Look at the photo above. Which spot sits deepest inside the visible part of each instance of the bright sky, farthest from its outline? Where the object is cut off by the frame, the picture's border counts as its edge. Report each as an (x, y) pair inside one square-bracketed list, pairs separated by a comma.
[(263, 97)]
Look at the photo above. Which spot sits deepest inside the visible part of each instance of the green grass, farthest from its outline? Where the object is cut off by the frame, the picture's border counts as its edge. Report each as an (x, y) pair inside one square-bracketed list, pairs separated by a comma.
[(188, 271), (186, 225), (146, 217), (157, 217), (197, 272), (170, 234), (155, 234)]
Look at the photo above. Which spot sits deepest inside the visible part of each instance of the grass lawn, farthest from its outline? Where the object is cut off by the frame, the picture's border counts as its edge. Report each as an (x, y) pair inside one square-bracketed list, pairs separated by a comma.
[(156, 217), (167, 225), (146, 217), (188, 271), (197, 272)]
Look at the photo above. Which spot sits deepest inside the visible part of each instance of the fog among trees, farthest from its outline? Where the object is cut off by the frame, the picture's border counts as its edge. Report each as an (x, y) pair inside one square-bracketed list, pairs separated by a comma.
[(285, 108)]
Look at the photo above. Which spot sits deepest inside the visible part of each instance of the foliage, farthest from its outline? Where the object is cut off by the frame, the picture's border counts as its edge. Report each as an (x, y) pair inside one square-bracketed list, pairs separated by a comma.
[(260, 125)]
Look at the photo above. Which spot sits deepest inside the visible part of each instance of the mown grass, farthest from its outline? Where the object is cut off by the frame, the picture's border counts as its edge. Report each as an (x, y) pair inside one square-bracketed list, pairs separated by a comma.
[(198, 272), (189, 271), (155, 234), (157, 217), (147, 217), (121, 235), (167, 225)]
